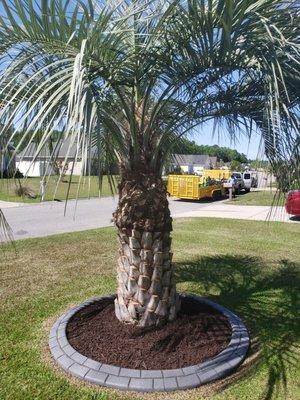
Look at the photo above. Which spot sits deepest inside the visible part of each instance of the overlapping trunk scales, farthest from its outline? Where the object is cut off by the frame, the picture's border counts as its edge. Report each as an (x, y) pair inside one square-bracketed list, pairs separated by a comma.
[(146, 293)]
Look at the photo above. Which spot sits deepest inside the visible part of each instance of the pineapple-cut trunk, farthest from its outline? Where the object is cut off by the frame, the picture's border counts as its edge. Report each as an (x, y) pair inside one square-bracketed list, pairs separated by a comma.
[(146, 294), (146, 289)]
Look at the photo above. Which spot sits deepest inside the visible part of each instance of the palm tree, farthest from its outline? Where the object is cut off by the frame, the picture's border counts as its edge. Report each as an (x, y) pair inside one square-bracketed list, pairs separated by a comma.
[(126, 79)]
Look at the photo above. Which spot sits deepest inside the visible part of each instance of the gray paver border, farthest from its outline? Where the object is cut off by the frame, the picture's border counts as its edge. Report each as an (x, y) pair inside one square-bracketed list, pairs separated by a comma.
[(149, 380)]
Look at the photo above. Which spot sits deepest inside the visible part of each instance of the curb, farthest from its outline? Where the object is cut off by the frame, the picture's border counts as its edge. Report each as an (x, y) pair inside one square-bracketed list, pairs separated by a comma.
[(149, 380)]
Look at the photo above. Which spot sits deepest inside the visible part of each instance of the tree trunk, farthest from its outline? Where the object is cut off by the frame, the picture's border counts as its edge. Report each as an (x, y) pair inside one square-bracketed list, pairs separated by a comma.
[(146, 294)]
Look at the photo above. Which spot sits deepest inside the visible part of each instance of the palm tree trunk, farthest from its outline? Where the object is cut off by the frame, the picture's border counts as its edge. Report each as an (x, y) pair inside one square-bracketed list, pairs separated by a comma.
[(146, 294)]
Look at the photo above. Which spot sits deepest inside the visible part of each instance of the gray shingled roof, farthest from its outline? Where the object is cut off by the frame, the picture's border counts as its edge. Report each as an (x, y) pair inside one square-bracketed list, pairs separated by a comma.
[(61, 151), (213, 160), (191, 159)]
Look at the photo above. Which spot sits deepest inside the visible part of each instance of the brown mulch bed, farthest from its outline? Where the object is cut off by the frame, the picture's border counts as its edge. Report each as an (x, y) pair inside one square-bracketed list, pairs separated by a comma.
[(199, 333)]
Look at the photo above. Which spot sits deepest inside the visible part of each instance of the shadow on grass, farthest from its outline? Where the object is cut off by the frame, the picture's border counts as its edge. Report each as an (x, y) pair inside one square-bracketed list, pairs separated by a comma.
[(265, 297)]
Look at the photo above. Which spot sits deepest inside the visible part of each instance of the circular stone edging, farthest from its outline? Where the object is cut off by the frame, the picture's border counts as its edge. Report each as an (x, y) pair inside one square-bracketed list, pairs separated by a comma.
[(149, 380)]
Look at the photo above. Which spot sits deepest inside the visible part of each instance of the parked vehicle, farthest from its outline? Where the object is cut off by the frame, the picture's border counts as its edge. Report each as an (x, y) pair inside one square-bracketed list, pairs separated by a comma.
[(292, 203), (247, 181), (192, 187), (240, 184)]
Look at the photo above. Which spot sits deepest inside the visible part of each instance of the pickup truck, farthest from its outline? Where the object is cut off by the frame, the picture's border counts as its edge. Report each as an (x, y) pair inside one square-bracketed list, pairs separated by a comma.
[(240, 184), (247, 178)]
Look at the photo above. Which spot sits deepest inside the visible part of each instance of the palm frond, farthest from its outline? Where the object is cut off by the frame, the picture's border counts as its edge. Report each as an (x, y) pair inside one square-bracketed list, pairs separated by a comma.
[(6, 233)]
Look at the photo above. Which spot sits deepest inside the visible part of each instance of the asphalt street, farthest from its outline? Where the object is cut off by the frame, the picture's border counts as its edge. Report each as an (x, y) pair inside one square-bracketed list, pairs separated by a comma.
[(48, 218)]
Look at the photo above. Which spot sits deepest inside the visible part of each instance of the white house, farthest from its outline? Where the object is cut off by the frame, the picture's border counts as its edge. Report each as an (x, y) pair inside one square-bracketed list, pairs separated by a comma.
[(30, 165)]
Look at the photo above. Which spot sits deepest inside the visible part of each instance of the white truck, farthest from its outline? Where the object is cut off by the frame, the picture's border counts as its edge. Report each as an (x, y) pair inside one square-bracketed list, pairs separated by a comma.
[(247, 181), (243, 181)]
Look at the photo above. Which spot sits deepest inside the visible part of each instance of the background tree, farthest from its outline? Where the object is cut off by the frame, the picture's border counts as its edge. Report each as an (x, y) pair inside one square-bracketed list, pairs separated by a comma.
[(185, 146), (131, 78), (235, 165)]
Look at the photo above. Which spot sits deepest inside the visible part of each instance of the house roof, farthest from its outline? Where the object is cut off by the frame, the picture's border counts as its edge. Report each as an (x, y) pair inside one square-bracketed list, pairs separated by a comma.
[(213, 160), (62, 149), (191, 159)]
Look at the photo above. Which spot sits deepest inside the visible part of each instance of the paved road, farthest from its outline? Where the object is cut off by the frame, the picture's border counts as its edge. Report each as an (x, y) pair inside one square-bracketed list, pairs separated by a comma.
[(43, 219)]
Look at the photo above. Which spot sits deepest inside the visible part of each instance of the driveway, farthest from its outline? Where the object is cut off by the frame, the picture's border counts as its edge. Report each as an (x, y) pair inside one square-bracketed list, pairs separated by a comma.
[(43, 219), (222, 210)]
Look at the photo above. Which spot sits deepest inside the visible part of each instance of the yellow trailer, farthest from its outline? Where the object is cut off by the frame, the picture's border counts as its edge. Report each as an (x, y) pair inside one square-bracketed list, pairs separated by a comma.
[(191, 187), (217, 174)]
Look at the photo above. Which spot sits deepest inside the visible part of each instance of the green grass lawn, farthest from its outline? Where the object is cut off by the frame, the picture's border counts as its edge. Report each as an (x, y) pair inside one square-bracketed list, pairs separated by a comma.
[(258, 198), (88, 187), (250, 267)]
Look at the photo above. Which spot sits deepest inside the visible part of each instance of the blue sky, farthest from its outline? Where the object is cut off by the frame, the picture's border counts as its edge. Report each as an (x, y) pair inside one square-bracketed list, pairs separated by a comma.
[(205, 136)]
